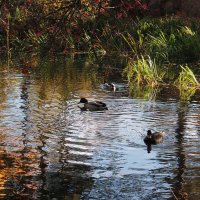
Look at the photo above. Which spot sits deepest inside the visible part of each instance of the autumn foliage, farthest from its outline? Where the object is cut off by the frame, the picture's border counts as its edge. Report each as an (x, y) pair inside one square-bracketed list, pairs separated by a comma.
[(62, 25)]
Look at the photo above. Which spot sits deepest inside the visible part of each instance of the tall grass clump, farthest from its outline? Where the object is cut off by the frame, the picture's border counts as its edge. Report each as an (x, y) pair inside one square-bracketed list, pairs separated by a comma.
[(186, 78), (187, 83), (156, 44), (144, 71)]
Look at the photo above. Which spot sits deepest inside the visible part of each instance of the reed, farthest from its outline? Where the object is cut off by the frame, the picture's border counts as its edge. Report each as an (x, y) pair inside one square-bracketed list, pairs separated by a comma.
[(37, 40), (186, 78), (186, 94), (167, 40), (158, 47), (8, 41), (135, 45), (144, 71), (187, 83)]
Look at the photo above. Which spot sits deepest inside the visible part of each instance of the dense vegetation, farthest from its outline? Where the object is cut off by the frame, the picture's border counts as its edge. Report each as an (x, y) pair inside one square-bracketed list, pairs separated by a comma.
[(155, 46), (159, 44), (64, 25)]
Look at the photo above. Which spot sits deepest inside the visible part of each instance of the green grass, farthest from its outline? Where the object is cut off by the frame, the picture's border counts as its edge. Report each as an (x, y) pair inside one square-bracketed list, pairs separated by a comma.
[(159, 46), (186, 78), (166, 40), (144, 71)]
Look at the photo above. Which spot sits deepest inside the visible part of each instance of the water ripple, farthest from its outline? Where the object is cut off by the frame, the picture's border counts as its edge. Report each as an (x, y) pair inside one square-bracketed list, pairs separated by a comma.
[(48, 145)]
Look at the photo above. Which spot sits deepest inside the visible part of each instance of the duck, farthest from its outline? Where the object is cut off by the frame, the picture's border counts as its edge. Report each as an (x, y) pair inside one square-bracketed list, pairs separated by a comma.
[(92, 106), (153, 139), (110, 86)]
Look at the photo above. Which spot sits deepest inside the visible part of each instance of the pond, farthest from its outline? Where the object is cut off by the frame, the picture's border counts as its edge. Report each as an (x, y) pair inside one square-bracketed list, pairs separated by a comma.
[(50, 149)]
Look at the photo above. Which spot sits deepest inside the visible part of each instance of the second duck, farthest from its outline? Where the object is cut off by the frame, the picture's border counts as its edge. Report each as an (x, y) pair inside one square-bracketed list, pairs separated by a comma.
[(152, 139), (92, 106)]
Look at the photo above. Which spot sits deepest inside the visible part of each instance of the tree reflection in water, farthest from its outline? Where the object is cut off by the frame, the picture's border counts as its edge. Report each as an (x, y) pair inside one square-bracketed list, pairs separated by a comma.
[(49, 149), (178, 186)]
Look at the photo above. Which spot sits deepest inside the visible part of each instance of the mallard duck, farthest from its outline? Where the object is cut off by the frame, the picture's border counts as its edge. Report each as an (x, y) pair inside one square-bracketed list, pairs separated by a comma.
[(153, 139), (92, 106), (110, 86)]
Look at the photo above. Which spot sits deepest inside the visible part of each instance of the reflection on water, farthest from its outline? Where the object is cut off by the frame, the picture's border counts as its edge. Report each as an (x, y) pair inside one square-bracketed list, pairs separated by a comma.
[(50, 149)]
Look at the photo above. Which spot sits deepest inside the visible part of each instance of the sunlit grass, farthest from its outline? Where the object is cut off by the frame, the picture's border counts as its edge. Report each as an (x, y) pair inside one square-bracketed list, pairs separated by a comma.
[(186, 78), (186, 94), (144, 71), (158, 47), (166, 40), (187, 83), (158, 43)]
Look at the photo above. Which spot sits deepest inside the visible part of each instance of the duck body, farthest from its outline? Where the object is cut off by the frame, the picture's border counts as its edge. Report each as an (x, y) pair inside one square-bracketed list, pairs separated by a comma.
[(92, 106), (114, 87), (110, 86), (153, 138)]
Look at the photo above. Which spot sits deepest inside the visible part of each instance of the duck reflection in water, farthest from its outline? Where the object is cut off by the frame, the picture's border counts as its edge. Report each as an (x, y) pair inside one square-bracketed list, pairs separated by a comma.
[(92, 106), (153, 139)]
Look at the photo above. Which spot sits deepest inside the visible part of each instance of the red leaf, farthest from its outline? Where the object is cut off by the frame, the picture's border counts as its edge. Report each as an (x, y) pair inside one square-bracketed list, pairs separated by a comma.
[(3, 22), (145, 6), (119, 15), (65, 51), (28, 2), (25, 71)]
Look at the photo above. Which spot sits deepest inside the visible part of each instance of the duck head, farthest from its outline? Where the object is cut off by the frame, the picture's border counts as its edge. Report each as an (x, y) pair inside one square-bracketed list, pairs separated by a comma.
[(149, 133), (83, 100)]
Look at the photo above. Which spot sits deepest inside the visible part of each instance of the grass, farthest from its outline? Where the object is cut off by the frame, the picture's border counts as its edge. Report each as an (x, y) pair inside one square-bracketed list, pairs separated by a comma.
[(157, 44), (187, 83), (187, 78), (144, 71), (165, 40)]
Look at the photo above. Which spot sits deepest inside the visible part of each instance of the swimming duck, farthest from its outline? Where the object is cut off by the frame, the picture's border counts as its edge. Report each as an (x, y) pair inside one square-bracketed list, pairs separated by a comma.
[(92, 106), (153, 139), (110, 86)]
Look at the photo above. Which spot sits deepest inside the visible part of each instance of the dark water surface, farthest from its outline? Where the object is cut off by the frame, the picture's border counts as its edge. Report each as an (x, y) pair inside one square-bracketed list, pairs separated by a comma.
[(49, 149)]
